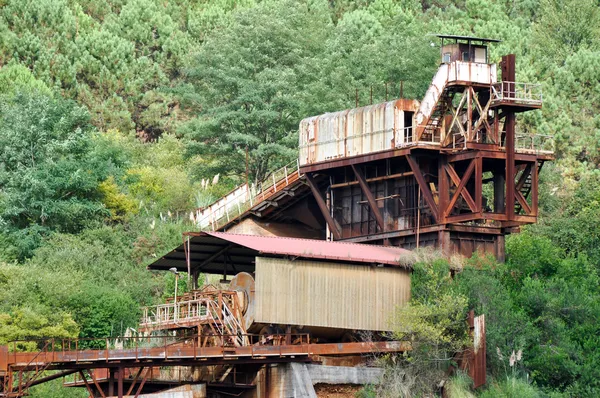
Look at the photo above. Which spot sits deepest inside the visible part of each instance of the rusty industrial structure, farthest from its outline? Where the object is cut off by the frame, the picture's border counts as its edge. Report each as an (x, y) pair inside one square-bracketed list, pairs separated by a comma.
[(316, 256)]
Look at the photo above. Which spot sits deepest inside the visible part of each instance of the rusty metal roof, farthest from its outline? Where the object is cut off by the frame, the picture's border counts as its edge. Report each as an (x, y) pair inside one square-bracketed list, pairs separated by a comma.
[(470, 38), (210, 251)]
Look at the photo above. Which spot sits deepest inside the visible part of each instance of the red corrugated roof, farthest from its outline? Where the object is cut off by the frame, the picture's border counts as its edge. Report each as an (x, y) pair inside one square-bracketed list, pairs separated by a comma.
[(213, 252), (318, 249)]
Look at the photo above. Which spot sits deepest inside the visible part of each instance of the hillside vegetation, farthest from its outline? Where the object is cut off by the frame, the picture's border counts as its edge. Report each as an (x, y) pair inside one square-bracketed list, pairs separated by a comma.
[(118, 117)]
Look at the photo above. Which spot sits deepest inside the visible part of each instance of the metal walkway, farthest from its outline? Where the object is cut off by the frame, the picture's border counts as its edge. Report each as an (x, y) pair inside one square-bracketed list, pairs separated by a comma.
[(21, 370)]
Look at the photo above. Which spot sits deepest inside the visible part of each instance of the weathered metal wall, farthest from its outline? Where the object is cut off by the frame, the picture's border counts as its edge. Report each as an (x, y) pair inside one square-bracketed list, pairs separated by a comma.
[(332, 295), (356, 131)]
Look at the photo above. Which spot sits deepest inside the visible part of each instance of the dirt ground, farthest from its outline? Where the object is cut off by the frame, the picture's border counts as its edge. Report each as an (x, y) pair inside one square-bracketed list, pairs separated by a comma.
[(336, 390)]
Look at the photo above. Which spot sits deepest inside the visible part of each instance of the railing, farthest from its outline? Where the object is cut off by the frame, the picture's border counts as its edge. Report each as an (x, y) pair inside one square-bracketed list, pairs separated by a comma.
[(243, 198), (220, 309), (518, 92), (535, 143), (156, 347)]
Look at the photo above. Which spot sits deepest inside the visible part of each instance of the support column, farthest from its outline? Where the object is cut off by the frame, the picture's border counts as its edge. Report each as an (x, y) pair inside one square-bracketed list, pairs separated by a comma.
[(478, 183), (111, 382), (510, 166), (121, 376), (534, 189), (508, 78), (323, 207), (443, 189)]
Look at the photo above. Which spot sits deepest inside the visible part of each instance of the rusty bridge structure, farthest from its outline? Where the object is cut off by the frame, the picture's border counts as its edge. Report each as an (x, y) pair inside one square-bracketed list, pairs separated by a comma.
[(316, 256)]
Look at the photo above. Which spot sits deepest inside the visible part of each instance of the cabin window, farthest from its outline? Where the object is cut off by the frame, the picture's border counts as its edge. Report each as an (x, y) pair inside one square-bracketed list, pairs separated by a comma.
[(465, 56), (480, 55), (446, 58)]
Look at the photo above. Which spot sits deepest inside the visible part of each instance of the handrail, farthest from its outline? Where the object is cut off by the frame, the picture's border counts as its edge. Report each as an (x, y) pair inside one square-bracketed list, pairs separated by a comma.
[(244, 197), (530, 93), (132, 347)]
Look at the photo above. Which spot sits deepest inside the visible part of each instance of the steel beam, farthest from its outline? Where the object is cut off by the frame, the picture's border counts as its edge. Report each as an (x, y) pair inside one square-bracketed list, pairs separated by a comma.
[(370, 198), (100, 390), (508, 77), (423, 186), (213, 257), (478, 184), (465, 194), (534, 189), (86, 384), (323, 207), (443, 188), (459, 190)]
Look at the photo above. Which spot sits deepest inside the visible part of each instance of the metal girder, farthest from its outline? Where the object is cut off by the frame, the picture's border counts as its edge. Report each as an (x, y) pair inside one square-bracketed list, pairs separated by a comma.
[(457, 182), (86, 383), (97, 385), (370, 198), (459, 190), (140, 388), (483, 113), (423, 186), (213, 257), (323, 207)]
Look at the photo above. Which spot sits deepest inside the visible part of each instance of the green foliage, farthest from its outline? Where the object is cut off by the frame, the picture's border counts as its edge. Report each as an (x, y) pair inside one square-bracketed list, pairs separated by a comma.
[(55, 389), (48, 174), (245, 83), (434, 323), (117, 58), (119, 204), (435, 319), (511, 388), (27, 323), (459, 386)]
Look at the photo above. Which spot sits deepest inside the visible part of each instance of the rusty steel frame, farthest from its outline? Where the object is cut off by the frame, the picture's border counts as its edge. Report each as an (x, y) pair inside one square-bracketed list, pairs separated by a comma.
[(171, 355), (370, 198), (325, 211)]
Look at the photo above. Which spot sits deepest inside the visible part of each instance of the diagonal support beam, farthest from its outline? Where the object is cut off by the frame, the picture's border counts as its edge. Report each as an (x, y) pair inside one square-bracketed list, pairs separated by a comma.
[(141, 387), (465, 194), (100, 390), (370, 198), (137, 375), (423, 186), (523, 178), (521, 199), (323, 207), (462, 184), (213, 257), (86, 384)]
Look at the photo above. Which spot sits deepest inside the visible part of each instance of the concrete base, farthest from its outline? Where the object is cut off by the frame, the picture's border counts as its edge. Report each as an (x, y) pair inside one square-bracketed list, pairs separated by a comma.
[(187, 391), (297, 380)]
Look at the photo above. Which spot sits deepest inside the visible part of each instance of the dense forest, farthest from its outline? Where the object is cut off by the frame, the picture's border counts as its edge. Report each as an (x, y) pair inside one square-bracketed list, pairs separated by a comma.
[(118, 117)]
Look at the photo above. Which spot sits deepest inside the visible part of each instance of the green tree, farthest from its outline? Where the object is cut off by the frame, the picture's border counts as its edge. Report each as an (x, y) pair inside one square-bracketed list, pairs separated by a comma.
[(48, 175), (245, 83)]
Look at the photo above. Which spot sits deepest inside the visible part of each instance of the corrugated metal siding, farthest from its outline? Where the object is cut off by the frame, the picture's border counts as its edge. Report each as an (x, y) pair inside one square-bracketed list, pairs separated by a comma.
[(354, 132), (334, 295)]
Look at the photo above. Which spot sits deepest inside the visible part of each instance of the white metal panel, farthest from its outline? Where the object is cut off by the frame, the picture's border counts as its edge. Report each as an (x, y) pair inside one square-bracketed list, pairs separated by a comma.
[(351, 132), (333, 295)]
